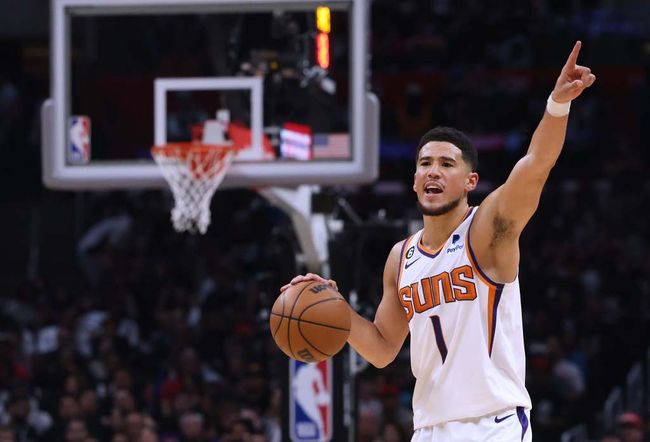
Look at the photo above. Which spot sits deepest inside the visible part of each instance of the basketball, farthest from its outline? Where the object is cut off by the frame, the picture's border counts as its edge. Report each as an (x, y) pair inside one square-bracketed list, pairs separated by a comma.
[(310, 321)]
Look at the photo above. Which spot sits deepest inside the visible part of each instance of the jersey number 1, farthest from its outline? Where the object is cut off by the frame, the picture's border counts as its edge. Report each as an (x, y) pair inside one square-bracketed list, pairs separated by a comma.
[(440, 339)]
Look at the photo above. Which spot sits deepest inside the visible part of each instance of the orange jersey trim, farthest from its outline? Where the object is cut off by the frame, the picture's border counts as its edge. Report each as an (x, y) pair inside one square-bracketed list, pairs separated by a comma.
[(427, 251)]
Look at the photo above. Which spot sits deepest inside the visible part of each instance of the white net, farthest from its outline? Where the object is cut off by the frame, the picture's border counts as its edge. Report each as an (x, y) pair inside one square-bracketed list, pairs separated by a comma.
[(193, 171)]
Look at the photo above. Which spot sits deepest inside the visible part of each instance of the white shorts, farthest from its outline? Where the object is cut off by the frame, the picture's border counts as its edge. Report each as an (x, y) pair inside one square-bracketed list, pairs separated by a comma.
[(506, 426)]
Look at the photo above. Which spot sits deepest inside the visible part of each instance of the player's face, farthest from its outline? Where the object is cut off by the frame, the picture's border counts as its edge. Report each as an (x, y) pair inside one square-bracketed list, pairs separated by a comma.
[(442, 178)]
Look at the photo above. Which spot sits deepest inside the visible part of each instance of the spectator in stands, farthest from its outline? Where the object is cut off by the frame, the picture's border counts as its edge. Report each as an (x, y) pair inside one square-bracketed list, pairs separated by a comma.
[(392, 432), (242, 431), (76, 431), (135, 424), (90, 411), (392, 408), (631, 427), (414, 114), (19, 418), (192, 427), (148, 435)]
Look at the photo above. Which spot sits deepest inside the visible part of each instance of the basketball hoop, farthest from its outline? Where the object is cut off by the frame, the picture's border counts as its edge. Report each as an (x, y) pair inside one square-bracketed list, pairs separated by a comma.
[(193, 170)]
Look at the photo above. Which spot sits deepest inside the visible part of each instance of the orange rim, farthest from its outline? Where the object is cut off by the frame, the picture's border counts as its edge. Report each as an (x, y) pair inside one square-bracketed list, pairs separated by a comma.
[(182, 149)]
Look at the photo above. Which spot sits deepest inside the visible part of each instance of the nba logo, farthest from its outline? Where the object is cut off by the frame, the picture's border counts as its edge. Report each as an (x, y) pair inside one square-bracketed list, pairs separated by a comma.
[(310, 401), (79, 145)]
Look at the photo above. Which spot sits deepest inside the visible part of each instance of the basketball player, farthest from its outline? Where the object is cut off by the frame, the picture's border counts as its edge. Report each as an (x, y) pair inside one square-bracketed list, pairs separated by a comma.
[(454, 284)]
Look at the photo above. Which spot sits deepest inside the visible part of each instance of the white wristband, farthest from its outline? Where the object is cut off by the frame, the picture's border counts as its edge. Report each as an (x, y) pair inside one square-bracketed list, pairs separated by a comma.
[(557, 109)]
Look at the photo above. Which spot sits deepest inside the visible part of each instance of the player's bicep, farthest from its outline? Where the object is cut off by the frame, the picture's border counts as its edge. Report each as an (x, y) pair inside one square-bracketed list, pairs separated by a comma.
[(390, 318)]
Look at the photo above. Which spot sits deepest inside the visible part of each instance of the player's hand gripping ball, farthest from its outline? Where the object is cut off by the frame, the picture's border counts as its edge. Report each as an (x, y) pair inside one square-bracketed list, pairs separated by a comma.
[(310, 321)]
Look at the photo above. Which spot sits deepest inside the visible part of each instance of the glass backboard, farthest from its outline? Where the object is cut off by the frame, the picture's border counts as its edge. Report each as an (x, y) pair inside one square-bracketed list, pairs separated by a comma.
[(128, 75)]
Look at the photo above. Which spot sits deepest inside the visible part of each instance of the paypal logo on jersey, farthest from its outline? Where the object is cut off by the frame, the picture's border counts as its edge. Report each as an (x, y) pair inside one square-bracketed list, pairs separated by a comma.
[(454, 239)]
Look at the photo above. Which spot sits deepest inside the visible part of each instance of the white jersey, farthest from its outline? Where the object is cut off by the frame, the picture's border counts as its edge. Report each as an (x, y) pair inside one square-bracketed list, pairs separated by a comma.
[(467, 344)]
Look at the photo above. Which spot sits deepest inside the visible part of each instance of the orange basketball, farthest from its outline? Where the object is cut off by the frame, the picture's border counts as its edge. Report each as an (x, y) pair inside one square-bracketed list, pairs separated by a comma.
[(310, 321)]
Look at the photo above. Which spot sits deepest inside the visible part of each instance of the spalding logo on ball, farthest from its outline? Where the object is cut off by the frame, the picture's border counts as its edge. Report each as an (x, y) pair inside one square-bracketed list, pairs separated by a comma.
[(310, 321)]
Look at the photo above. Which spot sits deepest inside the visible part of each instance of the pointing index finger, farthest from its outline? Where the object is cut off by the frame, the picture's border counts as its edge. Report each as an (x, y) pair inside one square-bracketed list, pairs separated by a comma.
[(573, 56)]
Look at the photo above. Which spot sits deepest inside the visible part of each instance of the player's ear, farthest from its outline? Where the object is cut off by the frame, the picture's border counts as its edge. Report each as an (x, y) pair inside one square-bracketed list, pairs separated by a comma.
[(414, 189), (471, 182)]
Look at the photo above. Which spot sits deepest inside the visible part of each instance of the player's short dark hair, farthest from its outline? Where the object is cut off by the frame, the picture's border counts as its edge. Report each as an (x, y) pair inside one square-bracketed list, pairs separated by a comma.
[(455, 137)]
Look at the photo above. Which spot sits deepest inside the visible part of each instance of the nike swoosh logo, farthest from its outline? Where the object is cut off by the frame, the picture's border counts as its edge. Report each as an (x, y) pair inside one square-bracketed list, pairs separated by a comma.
[(498, 421), (409, 264)]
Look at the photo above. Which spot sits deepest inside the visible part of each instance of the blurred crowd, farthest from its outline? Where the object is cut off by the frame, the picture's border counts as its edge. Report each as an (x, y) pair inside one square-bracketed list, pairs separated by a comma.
[(167, 339), (154, 336), (443, 34)]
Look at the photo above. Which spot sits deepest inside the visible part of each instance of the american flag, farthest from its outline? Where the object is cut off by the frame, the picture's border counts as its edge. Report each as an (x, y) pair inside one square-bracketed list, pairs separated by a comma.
[(328, 146)]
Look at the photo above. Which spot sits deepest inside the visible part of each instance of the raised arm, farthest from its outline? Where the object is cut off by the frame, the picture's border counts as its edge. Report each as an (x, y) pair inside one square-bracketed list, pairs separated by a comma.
[(378, 341), (505, 212)]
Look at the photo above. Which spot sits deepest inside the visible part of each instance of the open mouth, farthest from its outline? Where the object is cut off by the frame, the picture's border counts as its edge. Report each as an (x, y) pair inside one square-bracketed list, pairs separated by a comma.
[(432, 190)]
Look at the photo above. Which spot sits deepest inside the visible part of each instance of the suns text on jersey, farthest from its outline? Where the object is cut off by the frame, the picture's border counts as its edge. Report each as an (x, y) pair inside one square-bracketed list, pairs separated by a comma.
[(428, 293)]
